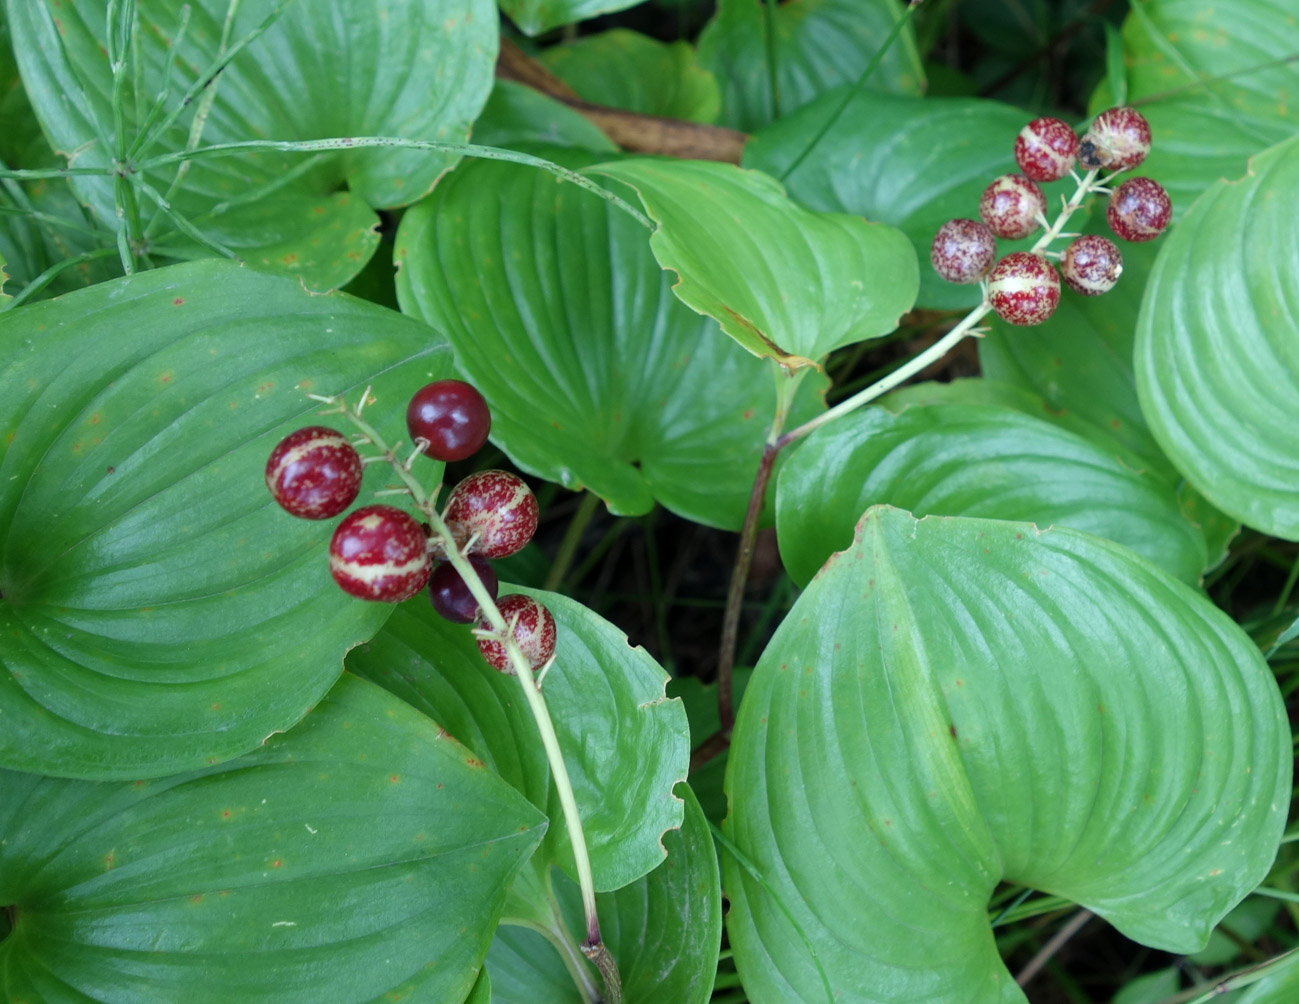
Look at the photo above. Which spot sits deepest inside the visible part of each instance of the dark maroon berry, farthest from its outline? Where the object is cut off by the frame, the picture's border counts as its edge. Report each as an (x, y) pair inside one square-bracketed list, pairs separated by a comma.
[(1091, 265), (314, 473), (380, 553), (1024, 288), (534, 632), (450, 594), (452, 416), (963, 251), (1139, 210), (1011, 206), (1045, 149), (1118, 139), (494, 509)]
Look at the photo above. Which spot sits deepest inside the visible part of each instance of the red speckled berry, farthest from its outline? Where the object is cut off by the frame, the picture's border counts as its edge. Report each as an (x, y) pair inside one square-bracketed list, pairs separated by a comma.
[(314, 473), (534, 632), (1024, 288), (1011, 205), (963, 251), (1118, 139), (1139, 210), (379, 553), (497, 508), (452, 416), (1091, 265), (451, 596), (1045, 149)]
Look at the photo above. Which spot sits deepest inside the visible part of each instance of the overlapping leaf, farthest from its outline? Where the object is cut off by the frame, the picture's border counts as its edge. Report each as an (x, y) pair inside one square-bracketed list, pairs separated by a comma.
[(819, 45), (782, 281), (516, 115), (536, 16), (325, 68), (625, 744), (160, 611), (596, 374), (954, 702), (972, 460), (1216, 354), (363, 856)]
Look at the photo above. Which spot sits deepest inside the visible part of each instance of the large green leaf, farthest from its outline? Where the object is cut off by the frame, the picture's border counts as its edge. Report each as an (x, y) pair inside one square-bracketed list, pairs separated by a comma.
[(159, 611), (625, 69), (664, 930), (783, 282), (956, 701), (625, 744), (972, 460), (326, 68), (597, 375), (362, 857), (819, 44), (1204, 133), (536, 16), (1216, 355), (915, 163)]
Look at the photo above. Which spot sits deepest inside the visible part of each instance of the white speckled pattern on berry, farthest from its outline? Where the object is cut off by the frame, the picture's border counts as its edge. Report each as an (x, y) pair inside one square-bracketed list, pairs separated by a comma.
[(1139, 210), (1024, 288), (1118, 140), (963, 251), (1091, 265), (379, 553), (534, 633), (1011, 205), (495, 507), (1046, 149)]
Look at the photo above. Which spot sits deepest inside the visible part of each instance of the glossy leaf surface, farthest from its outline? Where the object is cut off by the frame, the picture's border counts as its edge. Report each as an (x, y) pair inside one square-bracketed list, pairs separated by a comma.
[(625, 744), (782, 281), (363, 855), (1216, 355), (160, 611), (819, 45), (953, 702), (596, 374), (971, 460)]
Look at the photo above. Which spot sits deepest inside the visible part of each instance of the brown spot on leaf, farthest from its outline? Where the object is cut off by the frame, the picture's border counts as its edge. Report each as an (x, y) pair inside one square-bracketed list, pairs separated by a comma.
[(178, 301)]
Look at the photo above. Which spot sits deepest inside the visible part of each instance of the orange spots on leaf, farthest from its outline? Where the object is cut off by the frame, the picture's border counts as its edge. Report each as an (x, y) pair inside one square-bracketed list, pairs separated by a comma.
[(394, 778), (277, 863), (473, 762), (165, 378), (225, 813), (178, 301), (289, 258), (96, 418), (748, 414), (196, 899), (109, 859)]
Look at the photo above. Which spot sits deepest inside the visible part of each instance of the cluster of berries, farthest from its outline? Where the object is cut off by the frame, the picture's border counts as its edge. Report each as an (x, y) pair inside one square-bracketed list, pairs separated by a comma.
[(1023, 287), (384, 554)]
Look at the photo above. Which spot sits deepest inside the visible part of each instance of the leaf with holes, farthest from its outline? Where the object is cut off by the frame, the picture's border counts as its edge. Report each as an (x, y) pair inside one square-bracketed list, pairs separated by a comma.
[(160, 611), (362, 856), (953, 702)]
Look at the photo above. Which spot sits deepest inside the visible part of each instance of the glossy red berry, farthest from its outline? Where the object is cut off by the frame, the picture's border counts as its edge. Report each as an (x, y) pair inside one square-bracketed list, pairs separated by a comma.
[(496, 510), (1011, 205), (963, 251), (1091, 265), (534, 632), (452, 416), (380, 553), (1045, 149), (1118, 139), (1139, 210), (1024, 288), (314, 473), (450, 594)]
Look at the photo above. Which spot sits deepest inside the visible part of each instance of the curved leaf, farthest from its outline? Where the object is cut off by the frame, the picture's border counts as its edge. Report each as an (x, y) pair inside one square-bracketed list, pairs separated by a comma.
[(664, 930), (625, 69), (597, 376), (363, 856), (830, 279), (1216, 356), (911, 162), (515, 114), (160, 611), (957, 701), (819, 44), (536, 16), (971, 460), (324, 68), (625, 744)]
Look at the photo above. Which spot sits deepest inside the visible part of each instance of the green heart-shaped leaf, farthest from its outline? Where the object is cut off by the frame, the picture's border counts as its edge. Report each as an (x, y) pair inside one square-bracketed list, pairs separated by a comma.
[(782, 281), (597, 375), (160, 611), (625, 744), (819, 44), (536, 16), (363, 856), (1216, 357), (972, 460), (324, 68), (956, 701)]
